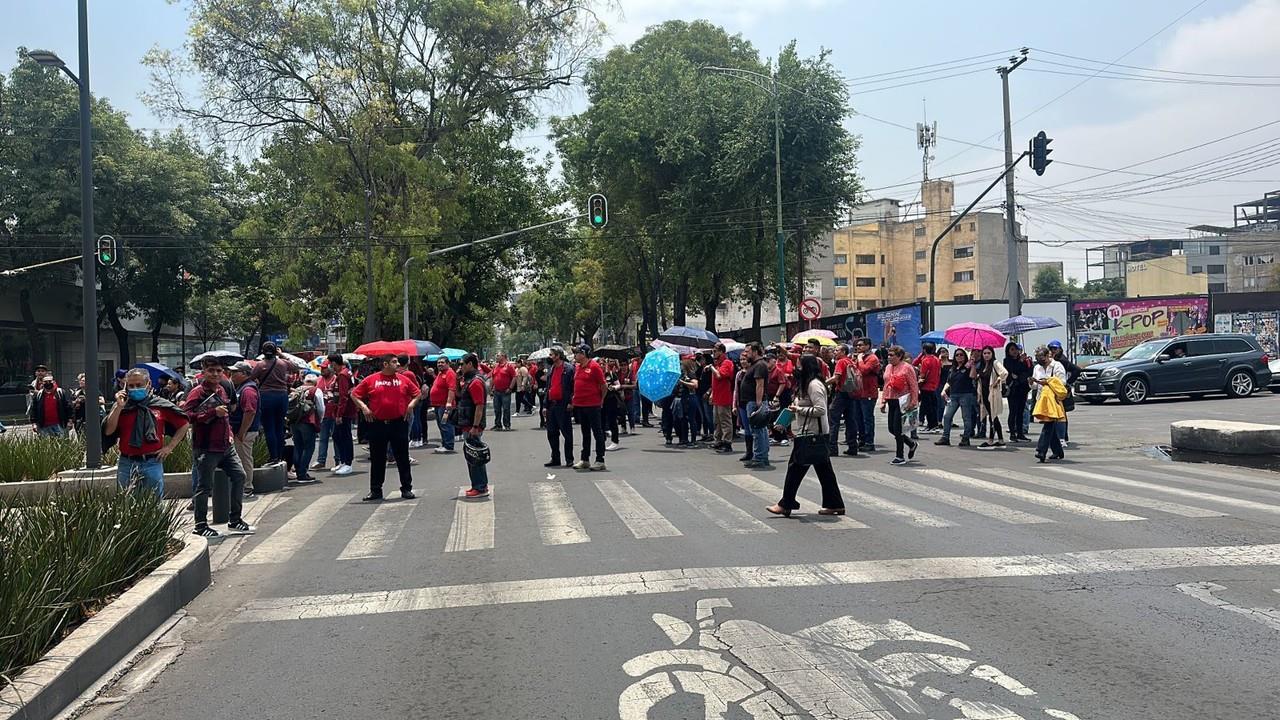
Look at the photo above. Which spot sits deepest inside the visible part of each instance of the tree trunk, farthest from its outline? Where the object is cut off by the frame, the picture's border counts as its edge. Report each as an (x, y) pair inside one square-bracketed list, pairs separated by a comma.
[(680, 302), (155, 339), (34, 339), (122, 336)]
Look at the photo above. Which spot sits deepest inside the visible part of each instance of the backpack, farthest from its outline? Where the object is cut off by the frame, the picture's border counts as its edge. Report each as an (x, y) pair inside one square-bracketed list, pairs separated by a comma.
[(302, 405), (852, 380)]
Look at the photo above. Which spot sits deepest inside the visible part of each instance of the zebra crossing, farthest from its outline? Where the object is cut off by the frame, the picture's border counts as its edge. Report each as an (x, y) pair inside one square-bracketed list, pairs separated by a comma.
[(568, 511)]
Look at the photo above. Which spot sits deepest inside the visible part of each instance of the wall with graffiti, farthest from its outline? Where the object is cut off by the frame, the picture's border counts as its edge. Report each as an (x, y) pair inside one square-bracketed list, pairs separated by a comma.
[(1105, 329)]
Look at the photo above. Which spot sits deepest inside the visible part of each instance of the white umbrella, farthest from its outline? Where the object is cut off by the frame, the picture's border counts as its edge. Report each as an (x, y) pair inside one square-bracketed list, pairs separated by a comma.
[(540, 355), (293, 360)]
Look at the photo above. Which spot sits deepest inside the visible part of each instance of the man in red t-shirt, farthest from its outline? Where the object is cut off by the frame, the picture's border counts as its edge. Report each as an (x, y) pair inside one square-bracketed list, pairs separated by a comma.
[(588, 399), (471, 402), (868, 364), (722, 374), (142, 445), (386, 400), (930, 368), (443, 395), (504, 376), (843, 405)]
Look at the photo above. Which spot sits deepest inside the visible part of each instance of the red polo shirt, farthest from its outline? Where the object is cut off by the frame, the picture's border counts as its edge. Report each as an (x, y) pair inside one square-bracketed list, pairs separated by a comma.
[(587, 381), (165, 419), (50, 418), (445, 382), (722, 386), (503, 376), (387, 397), (555, 381)]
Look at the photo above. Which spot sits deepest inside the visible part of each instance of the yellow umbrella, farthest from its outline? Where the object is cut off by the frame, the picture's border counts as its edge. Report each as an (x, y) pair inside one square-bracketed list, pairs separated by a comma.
[(822, 336)]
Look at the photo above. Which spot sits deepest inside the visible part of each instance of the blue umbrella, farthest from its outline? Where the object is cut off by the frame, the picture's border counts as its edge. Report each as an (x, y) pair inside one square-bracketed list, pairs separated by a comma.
[(658, 373), (937, 336), (426, 348), (1025, 323), (692, 337), (159, 373), (450, 354)]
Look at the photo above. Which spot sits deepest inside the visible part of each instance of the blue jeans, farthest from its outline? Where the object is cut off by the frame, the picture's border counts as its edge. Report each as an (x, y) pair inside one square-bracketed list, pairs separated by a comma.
[(52, 431), (759, 437), (446, 429), (150, 474), (273, 406), (304, 444), (322, 448), (502, 409), (865, 415), (415, 427), (633, 408), (708, 417), (843, 410), (967, 403)]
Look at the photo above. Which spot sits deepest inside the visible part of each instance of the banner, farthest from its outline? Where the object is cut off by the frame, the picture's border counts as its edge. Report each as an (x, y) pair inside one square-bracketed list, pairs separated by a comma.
[(846, 326), (1263, 325), (895, 326), (1106, 329)]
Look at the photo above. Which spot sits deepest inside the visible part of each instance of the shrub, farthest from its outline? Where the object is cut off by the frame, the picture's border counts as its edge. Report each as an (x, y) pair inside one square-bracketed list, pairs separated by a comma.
[(62, 559), (39, 457)]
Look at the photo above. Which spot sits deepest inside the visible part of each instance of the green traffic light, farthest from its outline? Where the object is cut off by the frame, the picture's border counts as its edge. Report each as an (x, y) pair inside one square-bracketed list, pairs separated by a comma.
[(599, 218)]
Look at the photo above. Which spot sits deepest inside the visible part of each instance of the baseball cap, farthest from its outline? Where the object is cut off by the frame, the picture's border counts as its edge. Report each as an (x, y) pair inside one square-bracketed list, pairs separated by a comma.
[(584, 348), (242, 366), (309, 379), (1055, 344)]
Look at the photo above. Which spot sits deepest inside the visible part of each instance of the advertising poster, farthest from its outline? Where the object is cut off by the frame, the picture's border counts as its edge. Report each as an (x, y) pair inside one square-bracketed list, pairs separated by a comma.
[(1264, 325), (895, 326), (1106, 329), (846, 326)]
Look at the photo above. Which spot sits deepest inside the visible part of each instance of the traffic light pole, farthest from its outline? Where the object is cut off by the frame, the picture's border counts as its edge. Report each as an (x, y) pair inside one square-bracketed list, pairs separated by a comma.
[(89, 268), (1014, 288), (777, 185)]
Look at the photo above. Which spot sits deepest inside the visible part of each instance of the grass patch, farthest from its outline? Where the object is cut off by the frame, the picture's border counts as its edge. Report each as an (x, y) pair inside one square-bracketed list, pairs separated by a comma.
[(40, 457), (63, 559)]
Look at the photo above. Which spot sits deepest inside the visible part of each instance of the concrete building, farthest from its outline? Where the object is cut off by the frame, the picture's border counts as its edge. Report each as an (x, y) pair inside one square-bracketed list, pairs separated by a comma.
[(882, 259), (1164, 276)]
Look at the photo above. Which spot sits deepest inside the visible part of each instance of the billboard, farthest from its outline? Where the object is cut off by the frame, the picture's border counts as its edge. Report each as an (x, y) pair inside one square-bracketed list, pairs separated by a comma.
[(895, 326), (1106, 329), (1264, 325), (846, 326)]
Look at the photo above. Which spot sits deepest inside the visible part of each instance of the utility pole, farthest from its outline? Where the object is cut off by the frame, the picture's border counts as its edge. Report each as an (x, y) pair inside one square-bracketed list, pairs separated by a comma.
[(1011, 228)]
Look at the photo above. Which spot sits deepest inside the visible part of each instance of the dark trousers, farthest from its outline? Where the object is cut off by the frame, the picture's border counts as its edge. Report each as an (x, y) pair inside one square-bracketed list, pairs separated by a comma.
[(843, 411), (208, 462), (646, 408), (273, 406), (1049, 440), (559, 427), (746, 430), (304, 445), (1017, 407), (476, 473), (592, 422), (611, 418), (929, 408), (381, 434), (502, 410), (344, 451), (895, 426), (826, 478), (865, 412)]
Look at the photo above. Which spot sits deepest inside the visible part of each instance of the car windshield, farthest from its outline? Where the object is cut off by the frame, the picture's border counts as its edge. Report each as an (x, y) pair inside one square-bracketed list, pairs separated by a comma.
[(1145, 351)]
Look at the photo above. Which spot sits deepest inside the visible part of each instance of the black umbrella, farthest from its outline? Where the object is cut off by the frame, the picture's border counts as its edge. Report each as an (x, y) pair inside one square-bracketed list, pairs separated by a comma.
[(691, 337), (226, 356), (614, 352)]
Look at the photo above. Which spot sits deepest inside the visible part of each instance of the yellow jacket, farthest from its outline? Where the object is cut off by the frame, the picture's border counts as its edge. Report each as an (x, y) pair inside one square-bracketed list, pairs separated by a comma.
[(1049, 405)]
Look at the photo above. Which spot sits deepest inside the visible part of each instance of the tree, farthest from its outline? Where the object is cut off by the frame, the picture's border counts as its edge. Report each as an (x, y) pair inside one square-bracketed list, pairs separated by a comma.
[(1048, 284), (221, 313)]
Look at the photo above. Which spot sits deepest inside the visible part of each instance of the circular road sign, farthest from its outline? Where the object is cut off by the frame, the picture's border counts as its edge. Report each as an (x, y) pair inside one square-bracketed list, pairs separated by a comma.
[(810, 308)]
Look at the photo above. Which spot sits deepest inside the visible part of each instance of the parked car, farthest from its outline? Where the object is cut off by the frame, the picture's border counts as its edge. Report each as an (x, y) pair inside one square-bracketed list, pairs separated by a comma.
[(1189, 365), (1275, 375)]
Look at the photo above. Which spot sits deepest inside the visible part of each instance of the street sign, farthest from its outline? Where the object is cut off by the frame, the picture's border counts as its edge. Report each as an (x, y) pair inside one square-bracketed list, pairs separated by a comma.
[(810, 308)]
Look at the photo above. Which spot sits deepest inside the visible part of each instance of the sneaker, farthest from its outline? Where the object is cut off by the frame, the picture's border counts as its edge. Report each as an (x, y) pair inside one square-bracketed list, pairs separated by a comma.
[(413, 460), (964, 442), (999, 443), (582, 465), (415, 444), (612, 446), (241, 527), (248, 492), (911, 454), (317, 465), (443, 451), (851, 452), (473, 493), (553, 463), (407, 495), (785, 442), (206, 531), (898, 461), (763, 467), (343, 470), (372, 497), (986, 445), (942, 441), (867, 447), (308, 480), (291, 475), (598, 466), (725, 450)]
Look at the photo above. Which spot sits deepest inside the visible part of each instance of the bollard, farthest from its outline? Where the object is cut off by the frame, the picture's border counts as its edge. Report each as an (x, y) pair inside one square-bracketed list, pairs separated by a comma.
[(221, 497)]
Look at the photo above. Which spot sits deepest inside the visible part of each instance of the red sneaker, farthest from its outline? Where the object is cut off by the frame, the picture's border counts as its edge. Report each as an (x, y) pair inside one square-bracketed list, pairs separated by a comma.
[(477, 493)]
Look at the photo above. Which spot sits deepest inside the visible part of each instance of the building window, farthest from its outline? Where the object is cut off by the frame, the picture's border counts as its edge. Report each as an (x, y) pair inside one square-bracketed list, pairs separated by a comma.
[(1217, 269), (842, 304), (962, 298), (882, 259), (881, 282), (920, 231), (1217, 287), (921, 278), (922, 254), (866, 304), (1196, 269), (840, 282), (963, 276), (972, 227), (962, 252), (865, 282), (865, 259), (1215, 250), (842, 259)]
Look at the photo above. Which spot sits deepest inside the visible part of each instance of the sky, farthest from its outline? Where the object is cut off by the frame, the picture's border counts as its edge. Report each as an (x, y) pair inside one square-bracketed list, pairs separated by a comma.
[(1100, 116)]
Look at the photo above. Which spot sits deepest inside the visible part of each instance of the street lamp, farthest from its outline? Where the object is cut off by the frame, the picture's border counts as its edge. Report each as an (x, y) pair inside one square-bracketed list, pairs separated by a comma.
[(89, 300), (406, 295), (770, 85)]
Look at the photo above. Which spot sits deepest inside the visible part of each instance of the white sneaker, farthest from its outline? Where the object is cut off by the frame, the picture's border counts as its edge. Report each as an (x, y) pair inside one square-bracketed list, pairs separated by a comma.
[(612, 446), (317, 465), (442, 451), (343, 470), (582, 465)]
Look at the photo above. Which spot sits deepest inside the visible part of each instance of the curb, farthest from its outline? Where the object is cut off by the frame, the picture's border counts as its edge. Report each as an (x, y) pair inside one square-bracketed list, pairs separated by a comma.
[(177, 486), (93, 648)]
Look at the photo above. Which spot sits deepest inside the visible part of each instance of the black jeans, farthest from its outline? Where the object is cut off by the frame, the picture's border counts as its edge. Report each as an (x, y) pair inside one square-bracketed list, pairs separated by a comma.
[(895, 426), (206, 463), (826, 478), (396, 434), (1017, 406), (592, 422), (1049, 440), (611, 418), (559, 425), (929, 409)]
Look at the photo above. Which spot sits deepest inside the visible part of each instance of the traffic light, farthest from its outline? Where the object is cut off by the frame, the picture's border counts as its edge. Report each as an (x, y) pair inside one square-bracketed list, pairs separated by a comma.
[(1040, 152), (108, 254), (598, 211)]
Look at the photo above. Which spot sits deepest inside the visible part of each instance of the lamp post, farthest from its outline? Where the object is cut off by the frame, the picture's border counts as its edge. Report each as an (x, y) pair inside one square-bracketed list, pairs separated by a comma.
[(89, 299), (406, 295), (770, 85)]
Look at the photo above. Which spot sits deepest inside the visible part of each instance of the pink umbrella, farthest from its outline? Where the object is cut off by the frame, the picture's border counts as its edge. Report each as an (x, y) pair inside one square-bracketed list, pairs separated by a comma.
[(972, 336)]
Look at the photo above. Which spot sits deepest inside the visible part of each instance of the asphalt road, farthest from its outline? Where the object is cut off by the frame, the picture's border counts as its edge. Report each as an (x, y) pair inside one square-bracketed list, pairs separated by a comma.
[(971, 584)]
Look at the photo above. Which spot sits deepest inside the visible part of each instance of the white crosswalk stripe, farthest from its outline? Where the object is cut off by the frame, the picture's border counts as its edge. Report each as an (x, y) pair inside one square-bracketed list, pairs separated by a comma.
[(379, 533), (1166, 506), (1191, 479), (1209, 497), (1234, 474), (973, 505), (641, 518), (1035, 498), (771, 493), (728, 516), (473, 523), (860, 499), (280, 545), (558, 523)]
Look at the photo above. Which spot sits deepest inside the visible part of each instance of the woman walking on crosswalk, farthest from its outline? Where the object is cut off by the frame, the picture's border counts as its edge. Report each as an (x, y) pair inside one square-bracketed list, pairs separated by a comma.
[(809, 448)]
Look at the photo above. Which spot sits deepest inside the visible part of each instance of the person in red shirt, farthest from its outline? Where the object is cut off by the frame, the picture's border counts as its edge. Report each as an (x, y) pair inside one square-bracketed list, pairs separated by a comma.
[(208, 408), (868, 366), (385, 400), (442, 396), (140, 419), (930, 368), (344, 414), (843, 405), (504, 377), (588, 398), (634, 401), (49, 407), (557, 412), (471, 421), (722, 373)]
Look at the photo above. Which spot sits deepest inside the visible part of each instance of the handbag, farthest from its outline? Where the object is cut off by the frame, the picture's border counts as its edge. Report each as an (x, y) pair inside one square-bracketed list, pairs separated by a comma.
[(809, 449), (763, 416), (1069, 402)]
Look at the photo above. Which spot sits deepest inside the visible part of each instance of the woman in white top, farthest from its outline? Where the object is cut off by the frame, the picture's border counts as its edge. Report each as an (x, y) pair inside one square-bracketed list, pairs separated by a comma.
[(811, 430)]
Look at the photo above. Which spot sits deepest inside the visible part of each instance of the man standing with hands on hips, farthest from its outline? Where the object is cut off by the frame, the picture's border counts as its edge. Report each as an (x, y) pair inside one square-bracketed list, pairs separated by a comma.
[(387, 400)]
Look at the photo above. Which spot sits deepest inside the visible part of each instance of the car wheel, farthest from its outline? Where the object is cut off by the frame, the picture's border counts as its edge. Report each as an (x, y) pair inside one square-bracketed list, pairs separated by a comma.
[(1133, 390), (1240, 384), (1099, 401)]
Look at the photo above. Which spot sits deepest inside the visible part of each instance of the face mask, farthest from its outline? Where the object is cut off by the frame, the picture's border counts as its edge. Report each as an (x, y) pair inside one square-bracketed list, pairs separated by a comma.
[(137, 394)]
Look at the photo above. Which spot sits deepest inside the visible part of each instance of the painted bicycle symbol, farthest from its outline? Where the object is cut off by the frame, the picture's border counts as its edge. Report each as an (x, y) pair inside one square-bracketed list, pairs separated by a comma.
[(843, 668)]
